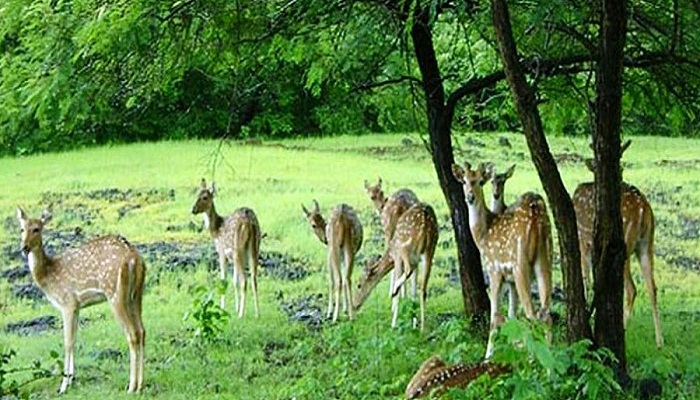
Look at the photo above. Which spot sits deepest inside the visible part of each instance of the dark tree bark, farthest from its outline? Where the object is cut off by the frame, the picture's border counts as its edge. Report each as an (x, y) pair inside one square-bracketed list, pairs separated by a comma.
[(559, 199), (474, 295), (609, 252)]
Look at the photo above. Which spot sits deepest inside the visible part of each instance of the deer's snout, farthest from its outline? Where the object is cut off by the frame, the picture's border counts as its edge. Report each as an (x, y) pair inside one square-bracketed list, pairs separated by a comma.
[(470, 197)]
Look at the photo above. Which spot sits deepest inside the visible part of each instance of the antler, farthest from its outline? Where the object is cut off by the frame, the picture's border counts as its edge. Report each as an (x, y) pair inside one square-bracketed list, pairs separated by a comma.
[(436, 377)]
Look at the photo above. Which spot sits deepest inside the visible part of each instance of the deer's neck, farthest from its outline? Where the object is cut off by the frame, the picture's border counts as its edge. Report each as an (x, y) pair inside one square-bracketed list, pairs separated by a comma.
[(213, 221), (39, 263), (497, 205), (479, 219)]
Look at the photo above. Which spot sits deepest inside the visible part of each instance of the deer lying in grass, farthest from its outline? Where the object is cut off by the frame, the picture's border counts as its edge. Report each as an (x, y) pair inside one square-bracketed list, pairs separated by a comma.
[(237, 239), (638, 230), (389, 210), (416, 235), (513, 245), (434, 377), (107, 268), (343, 236)]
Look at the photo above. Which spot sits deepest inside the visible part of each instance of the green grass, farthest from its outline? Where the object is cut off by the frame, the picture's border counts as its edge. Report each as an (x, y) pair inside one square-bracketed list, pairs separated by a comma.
[(270, 357)]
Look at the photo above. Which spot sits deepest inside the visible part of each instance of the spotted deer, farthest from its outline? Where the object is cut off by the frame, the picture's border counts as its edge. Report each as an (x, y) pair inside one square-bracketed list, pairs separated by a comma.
[(416, 235), (389, 211), (107, 268), (236, 239), (434, 377), (343, 236), (513, 245), (638, 230)]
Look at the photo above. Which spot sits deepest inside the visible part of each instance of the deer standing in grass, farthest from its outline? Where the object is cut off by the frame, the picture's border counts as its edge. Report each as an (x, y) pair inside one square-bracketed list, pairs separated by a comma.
[(343, 236), (638, 230), (237, 239), (389, 210), (513, 245), (107, 268), (416, 234)]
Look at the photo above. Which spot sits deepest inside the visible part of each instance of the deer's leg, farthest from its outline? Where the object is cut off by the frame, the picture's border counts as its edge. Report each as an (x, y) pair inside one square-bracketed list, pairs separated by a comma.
[(134, 307), (521, 275), (334, 266), (398, 260), (239, 279), (120, 308), (512, 299), (495, 281), (253, 263), (543, 271), (646, 260), (427, 266), (70, 326), (347, 280), (222, 276), (630, 292)]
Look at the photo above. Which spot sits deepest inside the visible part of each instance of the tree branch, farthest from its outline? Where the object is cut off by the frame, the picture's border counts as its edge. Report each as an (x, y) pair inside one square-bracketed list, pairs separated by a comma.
[(373, 85)]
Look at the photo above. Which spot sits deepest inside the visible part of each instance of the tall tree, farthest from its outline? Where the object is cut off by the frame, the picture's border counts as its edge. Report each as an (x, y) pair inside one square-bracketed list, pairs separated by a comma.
[(559, 199), (609, 251)]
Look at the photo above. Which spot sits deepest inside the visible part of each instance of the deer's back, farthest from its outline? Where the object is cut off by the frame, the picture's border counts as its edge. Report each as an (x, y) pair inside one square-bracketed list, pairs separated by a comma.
[(344, 228), (417, 228), (90, 273), (238, 229), (637, 215), (394, 207), (518, 232)]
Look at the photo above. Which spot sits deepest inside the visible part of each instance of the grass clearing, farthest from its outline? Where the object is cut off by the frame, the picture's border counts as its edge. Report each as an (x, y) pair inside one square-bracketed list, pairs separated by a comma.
[(145, 192)]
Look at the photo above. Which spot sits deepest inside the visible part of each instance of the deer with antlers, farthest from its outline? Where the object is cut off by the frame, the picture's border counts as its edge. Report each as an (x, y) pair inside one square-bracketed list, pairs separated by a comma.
[(107, 268), (416, 234), (236, 239), (513, 245), (638, 229), (343, 236), (389, 210)]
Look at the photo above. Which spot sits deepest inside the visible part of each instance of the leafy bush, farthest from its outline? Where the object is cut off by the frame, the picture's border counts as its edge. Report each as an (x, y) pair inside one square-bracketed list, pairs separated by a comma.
[(35, 371), (209, 318)]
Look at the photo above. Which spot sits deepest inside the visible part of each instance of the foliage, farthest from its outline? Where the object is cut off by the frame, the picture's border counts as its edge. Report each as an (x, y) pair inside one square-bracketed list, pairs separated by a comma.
[(31, 373), (209, 318)]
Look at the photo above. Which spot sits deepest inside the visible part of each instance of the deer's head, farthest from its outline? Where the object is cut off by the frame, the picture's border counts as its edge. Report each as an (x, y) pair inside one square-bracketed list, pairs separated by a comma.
[(31, 229), (472, 181), (498, 181), (318, 224), (376, 194), (205, 199), (373, 273)]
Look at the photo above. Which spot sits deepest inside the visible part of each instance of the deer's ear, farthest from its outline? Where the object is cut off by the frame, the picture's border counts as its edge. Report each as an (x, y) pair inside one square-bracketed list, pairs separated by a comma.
[(458, 173), (306, 212), (46, 216), (203, 184), (21, 215), (317, 209), (379, 182), (213, 189)]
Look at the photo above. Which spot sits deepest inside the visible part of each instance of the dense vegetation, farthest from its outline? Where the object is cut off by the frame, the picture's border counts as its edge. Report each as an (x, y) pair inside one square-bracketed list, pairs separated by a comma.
[(76, 72), (277, 357)]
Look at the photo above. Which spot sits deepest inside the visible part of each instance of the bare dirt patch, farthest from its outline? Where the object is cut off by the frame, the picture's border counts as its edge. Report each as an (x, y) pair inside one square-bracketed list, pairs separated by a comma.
[(305, 310), (32, 326)]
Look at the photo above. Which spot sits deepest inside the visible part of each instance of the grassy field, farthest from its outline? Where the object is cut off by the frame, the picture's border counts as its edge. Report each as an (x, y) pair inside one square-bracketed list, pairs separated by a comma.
[(145, 192)]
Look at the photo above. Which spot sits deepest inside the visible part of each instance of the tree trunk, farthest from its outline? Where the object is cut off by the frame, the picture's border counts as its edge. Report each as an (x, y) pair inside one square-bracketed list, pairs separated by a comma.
[(609, 252), (474, 295), (559, 199)]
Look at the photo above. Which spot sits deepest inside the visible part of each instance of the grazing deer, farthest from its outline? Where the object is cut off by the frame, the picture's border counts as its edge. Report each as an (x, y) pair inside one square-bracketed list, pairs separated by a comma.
[(638, 230), (416, 235), (513, 245), (236, 238), (107, 268), (343, 236), (434, 377), (389, 210)]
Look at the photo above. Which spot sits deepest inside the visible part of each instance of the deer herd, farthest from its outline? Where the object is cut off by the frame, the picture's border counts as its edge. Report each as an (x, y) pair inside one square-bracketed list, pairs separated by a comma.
[(515, 242)]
